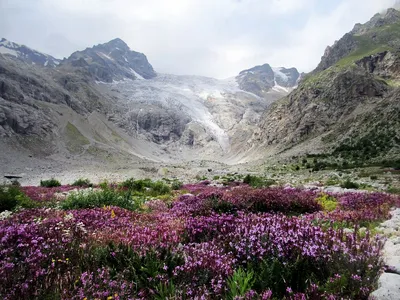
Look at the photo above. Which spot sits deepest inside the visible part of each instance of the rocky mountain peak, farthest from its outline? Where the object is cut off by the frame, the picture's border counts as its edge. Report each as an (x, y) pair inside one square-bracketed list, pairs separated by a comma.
[(27, 54), (378, 34), (118, 43), (262, 79), (390, 16), (111, 61)]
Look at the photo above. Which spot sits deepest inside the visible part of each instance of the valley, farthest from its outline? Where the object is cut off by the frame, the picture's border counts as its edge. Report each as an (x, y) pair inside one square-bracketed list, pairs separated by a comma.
[(138, 184)]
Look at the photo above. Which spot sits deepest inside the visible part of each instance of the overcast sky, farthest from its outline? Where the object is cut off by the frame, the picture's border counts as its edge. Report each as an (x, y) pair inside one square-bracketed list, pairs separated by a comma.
[(216, 38)]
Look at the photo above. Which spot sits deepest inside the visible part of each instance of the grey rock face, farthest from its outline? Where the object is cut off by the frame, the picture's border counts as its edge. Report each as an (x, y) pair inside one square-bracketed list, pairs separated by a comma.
[(314, 109), (257, 80), (334, 53), (112, 61), (385, 64), (27, 54)]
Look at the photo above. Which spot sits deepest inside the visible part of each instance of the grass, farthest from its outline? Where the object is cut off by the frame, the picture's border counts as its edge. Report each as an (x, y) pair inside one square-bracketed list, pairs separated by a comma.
[(75, 139), (366, 47)]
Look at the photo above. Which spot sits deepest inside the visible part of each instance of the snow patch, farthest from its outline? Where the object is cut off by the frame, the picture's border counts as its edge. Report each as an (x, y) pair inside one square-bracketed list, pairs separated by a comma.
[(9, 44), (105, 55), (278, 72), (46, 63), (4, 50), (136, 74), (279, 88)]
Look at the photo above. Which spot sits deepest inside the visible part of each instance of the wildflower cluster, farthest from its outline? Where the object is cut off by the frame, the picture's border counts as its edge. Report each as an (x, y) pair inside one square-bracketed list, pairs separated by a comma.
[(233, 242)]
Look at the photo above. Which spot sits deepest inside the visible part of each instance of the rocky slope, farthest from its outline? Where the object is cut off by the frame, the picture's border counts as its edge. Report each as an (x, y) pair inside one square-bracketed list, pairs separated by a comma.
[(349, 105)]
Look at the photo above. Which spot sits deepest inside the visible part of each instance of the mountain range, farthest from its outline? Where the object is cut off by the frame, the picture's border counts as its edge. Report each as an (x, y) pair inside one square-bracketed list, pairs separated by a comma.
[(106, 104)]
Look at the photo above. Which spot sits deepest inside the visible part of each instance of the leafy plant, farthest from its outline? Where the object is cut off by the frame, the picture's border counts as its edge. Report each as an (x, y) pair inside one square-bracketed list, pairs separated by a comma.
[(147, 187), (239, 283), (349, 185), (50, 183), (91, 199), (328, 202), (12, 197), (258, 182), (82, 182)]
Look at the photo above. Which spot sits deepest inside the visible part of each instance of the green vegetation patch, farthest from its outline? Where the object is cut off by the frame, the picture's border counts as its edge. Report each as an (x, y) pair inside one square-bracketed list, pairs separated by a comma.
[(75, 139), (50, 183), (11, 197)]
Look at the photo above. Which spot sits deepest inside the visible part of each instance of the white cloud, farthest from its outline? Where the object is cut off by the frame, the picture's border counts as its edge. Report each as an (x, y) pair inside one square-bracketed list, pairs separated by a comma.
[(206, 37)]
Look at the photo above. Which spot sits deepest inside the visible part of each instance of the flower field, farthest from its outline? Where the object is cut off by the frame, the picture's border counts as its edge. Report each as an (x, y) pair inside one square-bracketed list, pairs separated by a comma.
[(144, 240)]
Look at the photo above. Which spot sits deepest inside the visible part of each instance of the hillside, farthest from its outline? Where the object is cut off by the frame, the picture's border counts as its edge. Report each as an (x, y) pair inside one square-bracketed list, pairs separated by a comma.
[(349, 105)]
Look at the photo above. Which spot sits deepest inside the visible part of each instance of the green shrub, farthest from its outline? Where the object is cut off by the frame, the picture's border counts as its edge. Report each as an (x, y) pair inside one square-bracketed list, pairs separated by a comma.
[(258, 182), (149, 187), (107, 197), (137, 268), (327, 202), (349, 185), (373, 177), (176, 185), (50, 183), (11, 197), (332, 181), (394, 190), (278, 275), (82, 182), (239, 283)]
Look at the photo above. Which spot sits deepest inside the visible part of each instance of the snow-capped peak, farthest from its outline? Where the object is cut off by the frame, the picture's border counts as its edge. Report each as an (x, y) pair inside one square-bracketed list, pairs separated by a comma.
[(27, 54)]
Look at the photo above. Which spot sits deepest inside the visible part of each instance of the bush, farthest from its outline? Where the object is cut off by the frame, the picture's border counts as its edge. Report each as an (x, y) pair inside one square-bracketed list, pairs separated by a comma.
[(12, 197), (240, 283), (50, 183), (328, 203), (176, 185), (82, 182), (148, 187), (258, 182), (393, 190), (349, 185), (91, 199)]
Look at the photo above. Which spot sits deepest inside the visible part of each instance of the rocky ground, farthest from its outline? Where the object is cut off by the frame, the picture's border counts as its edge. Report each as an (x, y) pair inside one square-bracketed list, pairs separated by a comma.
[(389, 282)]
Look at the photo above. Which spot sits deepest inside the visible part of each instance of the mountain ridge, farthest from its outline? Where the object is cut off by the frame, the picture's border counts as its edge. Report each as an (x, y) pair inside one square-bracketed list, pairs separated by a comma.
[(115, 111), (27, 54), (349, 100)]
